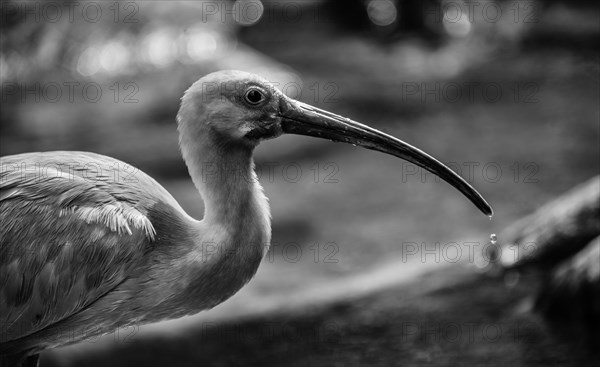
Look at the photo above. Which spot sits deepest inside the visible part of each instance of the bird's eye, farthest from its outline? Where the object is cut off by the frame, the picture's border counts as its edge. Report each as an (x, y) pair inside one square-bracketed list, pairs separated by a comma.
[(254, 96)]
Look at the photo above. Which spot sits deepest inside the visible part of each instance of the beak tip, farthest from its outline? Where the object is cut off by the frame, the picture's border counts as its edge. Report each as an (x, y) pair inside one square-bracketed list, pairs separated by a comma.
[(487, 210)]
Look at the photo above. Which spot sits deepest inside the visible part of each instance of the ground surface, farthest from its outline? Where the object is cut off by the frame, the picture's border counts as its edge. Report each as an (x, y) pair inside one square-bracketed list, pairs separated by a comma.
[(451, 317)]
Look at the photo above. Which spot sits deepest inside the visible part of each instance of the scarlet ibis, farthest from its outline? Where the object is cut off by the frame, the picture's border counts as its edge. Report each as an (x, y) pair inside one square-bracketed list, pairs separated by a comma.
[(86, 250)]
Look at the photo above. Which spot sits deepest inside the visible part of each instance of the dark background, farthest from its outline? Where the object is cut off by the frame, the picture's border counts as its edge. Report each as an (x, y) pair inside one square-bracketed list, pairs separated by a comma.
[(505, 92)]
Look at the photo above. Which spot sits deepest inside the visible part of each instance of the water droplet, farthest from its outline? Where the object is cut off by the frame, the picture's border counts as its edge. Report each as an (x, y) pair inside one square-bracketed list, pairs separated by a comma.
[(493, 238), (353, 145)]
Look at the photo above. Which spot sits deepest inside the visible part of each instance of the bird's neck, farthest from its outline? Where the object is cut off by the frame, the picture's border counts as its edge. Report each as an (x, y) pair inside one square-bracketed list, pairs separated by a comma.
[(205, 262), (233, 198), (235, 232)]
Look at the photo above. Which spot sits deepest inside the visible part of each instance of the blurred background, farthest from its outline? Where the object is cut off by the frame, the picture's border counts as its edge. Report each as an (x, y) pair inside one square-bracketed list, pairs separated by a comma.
[(370, 261)]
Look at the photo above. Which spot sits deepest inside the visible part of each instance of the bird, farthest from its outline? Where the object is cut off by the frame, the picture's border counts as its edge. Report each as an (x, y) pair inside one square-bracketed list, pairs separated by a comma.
[(87, 247)]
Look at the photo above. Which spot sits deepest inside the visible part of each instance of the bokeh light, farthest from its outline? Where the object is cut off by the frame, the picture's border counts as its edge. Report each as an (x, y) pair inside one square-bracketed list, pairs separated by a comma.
[(456, 24), (200, 44), (248, 12), (159, 48), (382, 12), (114, 56), (88, 63)]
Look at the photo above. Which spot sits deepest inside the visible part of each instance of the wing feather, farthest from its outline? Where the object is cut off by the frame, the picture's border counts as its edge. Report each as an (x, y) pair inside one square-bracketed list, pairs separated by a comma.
[(70, 233)]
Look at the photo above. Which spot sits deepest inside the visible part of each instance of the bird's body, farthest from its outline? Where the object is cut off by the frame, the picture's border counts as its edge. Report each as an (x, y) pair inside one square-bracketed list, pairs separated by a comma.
[(88, 244), (91, 244)]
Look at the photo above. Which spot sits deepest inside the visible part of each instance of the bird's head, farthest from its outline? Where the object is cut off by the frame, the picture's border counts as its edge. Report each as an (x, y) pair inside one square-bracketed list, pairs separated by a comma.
[(239, 107), (243, 109)]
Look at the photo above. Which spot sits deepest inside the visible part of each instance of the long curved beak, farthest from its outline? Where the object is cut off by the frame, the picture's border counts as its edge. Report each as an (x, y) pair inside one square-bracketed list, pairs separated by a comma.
[(302, 119)]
